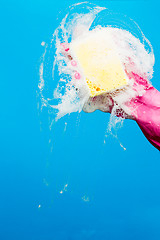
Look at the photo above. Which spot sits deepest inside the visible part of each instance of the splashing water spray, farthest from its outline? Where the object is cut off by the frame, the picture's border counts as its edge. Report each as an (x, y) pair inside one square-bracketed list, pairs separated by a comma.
[(91, 63)]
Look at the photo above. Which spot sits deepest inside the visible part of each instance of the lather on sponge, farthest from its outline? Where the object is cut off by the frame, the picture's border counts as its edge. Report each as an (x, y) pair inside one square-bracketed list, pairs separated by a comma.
[(100, 64)]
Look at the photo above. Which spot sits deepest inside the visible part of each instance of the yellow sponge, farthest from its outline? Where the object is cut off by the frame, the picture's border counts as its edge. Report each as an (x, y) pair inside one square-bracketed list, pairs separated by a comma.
[(99, 62)]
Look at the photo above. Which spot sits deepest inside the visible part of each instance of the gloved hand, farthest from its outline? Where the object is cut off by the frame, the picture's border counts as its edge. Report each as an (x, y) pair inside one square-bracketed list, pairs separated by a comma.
[(146, 112), (144, 108)]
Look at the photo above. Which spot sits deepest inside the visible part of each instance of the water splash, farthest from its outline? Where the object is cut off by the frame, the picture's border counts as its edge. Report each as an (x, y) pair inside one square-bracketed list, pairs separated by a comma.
[(60, 93), (65, 188)]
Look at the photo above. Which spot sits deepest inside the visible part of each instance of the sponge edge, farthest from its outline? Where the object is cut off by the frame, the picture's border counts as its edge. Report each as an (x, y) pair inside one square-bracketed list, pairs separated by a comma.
[(99, 62)]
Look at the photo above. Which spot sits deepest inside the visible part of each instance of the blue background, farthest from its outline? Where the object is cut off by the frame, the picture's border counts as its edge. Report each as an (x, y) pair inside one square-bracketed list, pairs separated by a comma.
[(123, 187)]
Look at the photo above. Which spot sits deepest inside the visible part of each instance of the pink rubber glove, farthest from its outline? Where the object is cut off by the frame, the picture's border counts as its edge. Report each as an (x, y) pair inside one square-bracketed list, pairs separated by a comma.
[(146, 112)]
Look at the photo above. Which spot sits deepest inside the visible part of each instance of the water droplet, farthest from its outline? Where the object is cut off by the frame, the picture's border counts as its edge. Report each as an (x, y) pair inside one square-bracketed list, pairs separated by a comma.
[(43, 43)]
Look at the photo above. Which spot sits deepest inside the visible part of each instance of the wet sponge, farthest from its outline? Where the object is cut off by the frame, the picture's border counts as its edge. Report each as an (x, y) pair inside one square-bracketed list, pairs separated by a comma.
[(99, 62)]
